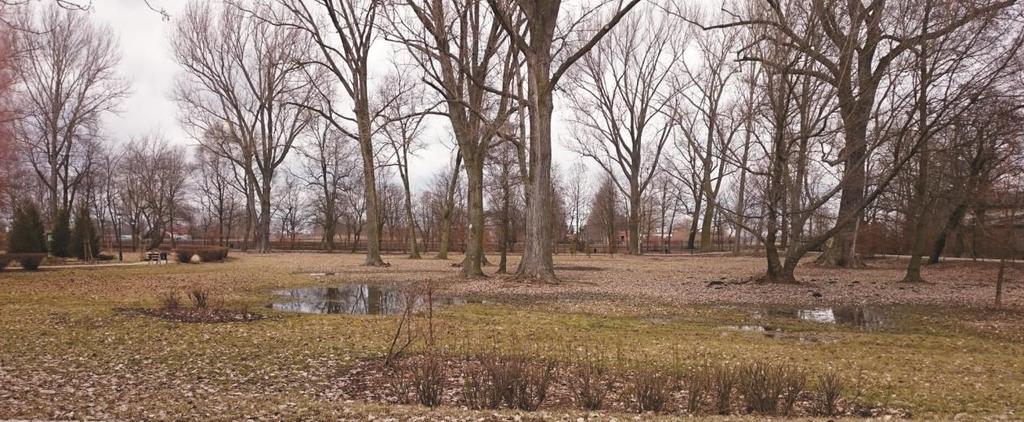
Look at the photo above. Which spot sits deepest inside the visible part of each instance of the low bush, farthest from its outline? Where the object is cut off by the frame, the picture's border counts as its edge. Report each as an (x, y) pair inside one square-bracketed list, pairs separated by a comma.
[(793, 384), (651, 389), (522, 382), (428, 378), (29, 261), (723, 382), (205, 253), (761, 386), (200, 298), (170, 300), (697, 383), (477, 390), (828, 392), (590, 380)]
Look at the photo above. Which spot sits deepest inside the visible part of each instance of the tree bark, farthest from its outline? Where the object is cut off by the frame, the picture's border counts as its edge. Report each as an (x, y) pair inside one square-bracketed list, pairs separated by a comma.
[(373, 257), (537, 263), (471, 266)]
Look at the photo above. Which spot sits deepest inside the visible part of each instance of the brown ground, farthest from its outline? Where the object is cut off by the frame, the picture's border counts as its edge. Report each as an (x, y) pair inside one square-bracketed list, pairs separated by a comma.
[(68, 351)]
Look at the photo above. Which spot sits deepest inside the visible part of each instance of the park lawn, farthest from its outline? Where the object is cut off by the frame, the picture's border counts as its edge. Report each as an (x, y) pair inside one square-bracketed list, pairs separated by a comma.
[(69, 351)]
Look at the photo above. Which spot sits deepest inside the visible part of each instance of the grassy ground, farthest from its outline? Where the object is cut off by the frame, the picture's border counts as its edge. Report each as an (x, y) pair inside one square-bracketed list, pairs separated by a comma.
[(67, 351)]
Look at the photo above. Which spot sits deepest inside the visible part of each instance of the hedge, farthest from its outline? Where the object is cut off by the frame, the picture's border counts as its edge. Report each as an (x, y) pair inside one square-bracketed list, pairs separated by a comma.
[(206, 253), (28, 261)]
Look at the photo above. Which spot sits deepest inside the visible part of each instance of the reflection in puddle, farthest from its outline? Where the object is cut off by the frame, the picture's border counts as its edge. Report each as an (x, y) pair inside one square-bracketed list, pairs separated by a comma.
[(359, 299), (864, 317)]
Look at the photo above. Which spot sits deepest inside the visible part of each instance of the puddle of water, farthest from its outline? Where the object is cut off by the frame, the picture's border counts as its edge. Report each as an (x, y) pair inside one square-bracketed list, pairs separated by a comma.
[(358, 299), (751, 328), (868, 318)]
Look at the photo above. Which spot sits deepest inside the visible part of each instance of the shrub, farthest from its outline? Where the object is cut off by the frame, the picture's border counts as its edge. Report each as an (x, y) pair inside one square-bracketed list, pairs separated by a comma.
[(212, 253), (4, 260), (723, 381), (206, 253), (521, 382), (828, 392), (84, 242), (651, 389), (29, 261), (761, 385), (27, 233), (590, 381), (428, 380), (477, 390), (793, 384), (200, 298), (61, 235), (697, 383), (170, 300)]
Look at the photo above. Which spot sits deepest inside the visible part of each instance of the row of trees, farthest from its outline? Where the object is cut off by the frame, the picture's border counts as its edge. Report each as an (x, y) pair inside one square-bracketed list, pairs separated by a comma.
[(793, 125)]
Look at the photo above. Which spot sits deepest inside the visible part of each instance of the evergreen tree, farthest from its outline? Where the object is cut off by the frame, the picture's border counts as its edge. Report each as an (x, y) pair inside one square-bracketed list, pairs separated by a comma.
[(84, 242), (27, 233), (61, 235)]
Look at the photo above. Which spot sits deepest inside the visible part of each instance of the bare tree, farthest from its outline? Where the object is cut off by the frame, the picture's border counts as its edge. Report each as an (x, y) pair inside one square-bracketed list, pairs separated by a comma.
[(66, 82), (707, 119), (505, 196), (216, 194), (621, 95), (342, 34), (578, 196), (244, 79), (328, 164), (152, 188), (447, 188), (402, 127), (532, 26), (463, 52), (856, 45)]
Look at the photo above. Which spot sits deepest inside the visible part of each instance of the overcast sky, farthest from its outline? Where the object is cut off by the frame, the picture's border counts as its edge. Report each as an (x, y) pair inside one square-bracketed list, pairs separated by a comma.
[(148, 64)]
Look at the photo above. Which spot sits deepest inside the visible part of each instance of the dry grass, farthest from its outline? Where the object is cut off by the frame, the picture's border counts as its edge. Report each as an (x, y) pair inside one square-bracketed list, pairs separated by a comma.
[(65, 352)]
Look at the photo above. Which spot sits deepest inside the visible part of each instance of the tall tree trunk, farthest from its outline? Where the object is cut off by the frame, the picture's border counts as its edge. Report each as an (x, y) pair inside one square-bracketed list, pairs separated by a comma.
[(449, 210), (471, 265), (694, 221), (634, 219), (414, 249), (537, 263), (373, 220), (706, 227), (843, 251), (265, 216), (952, 224)]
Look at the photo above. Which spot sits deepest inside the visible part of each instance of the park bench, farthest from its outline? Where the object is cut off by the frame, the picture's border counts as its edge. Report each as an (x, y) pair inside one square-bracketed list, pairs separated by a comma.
[(156, 257)]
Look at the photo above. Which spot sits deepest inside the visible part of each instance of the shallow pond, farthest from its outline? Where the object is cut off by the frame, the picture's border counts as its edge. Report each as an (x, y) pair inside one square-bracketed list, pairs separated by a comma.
[(868, 318), (359, 299)]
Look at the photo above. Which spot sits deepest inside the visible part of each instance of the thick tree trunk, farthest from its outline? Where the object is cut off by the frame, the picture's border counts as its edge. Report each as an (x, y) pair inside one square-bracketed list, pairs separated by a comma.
[(414, 248), (706, 225), (843, 251), (373, 257), (471, 266), (264, 220), (955, 218), (634, 219), (449, 211), (537, 263), (694, 222)]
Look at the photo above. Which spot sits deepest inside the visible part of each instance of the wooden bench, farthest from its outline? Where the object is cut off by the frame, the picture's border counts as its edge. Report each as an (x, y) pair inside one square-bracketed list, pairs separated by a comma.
[(156, 257)]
